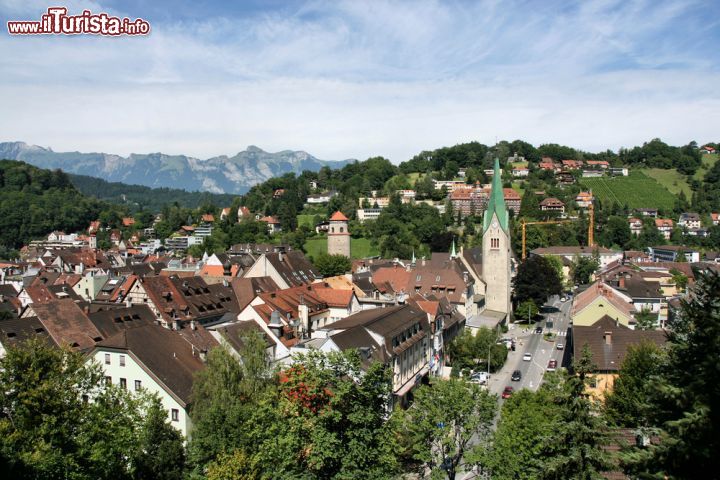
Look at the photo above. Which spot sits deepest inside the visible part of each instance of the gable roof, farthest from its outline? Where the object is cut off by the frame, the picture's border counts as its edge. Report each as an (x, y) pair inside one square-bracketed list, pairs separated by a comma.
[(293, 267), (164, 354), (67, 323), (598, 290), (609, 353)]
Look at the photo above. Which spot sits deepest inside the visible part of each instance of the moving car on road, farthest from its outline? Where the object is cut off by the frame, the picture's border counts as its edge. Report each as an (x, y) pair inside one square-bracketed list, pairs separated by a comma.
[(552, 365), (507, 393), (527, 357), (538, 330), (560, 346), (516, 376)]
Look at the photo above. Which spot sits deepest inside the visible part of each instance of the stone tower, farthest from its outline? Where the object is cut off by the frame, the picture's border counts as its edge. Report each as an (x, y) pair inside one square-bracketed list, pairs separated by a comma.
[(496, 248), (338, 235)]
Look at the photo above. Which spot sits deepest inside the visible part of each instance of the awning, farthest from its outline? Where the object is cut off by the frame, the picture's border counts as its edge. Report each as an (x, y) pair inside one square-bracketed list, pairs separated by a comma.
[(413, 381)]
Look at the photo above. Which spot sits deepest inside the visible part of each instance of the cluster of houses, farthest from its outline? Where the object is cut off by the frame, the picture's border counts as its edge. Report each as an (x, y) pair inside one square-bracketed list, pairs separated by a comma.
[(689, 223), (604, 313), (150, 320)]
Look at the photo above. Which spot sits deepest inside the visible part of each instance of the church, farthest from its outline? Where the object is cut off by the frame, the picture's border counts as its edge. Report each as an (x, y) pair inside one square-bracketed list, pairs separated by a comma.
[(491, 265)]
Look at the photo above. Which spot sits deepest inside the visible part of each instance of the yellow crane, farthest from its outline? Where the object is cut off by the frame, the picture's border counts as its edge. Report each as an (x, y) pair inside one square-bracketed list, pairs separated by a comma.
[(591, 226)]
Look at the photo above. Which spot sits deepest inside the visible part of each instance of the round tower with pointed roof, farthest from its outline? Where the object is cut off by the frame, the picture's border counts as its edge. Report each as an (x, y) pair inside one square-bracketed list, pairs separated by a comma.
[(339, 235)]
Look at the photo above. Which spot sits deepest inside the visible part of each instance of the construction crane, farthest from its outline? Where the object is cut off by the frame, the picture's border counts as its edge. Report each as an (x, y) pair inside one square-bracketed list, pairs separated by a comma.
[(591, 226)]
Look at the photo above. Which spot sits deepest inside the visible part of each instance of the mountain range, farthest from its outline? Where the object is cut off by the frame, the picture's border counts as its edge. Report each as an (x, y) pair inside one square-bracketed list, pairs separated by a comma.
[(221, 174)]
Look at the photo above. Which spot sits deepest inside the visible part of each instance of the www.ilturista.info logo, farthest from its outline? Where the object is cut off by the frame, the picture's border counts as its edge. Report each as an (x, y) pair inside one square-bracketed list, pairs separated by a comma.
[(57, 22)]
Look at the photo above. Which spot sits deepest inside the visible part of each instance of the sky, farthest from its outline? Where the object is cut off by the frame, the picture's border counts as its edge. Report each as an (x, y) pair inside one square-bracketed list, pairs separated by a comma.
[(353, 79)]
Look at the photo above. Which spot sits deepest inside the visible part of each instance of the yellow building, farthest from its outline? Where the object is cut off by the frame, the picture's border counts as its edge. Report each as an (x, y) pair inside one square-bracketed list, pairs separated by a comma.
[(608, 341), (601, 300)]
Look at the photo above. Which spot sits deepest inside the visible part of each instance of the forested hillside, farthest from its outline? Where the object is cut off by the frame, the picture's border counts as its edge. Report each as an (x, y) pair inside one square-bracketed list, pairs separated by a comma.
[(34, 202), (139, 197)]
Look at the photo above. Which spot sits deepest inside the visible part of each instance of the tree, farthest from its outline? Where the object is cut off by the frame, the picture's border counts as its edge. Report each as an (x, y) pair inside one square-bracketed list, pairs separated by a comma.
[(48, 429), (645, 320), (536, 279), (679, 279), (447, 416), (226, 395), (332, 265), (583, 268), (233, 466), (526, 422), (686, 402), (527, 310), (575, 449), (160, 451), (628, 404), (330, 420)]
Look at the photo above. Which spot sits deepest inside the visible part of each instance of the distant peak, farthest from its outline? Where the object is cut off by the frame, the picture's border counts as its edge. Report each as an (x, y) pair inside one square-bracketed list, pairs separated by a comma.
[(254, 149)]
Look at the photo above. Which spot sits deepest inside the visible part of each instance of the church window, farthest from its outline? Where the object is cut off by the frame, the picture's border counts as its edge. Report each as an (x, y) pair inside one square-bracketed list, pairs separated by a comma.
[(494, 243)]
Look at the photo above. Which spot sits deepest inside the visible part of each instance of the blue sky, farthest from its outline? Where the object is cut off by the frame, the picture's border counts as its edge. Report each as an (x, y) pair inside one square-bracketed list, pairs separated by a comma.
[(344, 79)]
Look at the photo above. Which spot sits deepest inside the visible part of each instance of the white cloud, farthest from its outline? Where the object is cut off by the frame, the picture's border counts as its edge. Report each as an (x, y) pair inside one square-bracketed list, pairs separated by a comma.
[(354, 79)]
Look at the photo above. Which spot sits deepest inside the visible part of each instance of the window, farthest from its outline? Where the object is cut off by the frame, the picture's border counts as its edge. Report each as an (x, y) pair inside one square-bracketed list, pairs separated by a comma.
[(494, 243), (108, 380), (107, 359), (175, 415), (138, 385), (122, 360), (123, 383)]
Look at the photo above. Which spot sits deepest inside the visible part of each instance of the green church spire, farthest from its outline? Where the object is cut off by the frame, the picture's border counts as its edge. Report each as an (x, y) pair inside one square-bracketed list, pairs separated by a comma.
[(453, 252), (496, 204)]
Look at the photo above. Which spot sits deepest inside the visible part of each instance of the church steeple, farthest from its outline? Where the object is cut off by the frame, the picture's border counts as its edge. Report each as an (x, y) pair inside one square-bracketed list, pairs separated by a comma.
[(453, 252), (496, 204)]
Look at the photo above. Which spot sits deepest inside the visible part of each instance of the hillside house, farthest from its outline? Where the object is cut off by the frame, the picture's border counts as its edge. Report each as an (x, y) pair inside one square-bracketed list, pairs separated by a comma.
[(552, 205), (665, 226)]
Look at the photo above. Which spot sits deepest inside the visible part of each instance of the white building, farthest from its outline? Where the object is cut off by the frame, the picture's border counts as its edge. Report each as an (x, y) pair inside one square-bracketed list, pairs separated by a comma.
[(155, 359)]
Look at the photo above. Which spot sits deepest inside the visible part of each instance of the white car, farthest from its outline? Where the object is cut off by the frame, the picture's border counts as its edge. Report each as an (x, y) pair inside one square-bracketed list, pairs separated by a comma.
[(527, 357), (479, 378)]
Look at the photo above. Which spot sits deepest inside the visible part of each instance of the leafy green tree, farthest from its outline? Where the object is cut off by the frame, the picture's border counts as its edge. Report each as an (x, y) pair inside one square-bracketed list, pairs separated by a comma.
[(527, 310), (233, 466), (679, 279), (645, 320), (449, 421), (49, 429), (225, 398), (686, 402), (583, 268), (330, 420), (628, 404), (332, 265), (575, 448), (527, 420), (537, 280), (160, 452)]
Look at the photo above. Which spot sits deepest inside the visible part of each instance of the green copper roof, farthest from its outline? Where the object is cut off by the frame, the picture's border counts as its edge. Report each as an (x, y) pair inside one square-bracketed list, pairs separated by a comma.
[(496, 204)]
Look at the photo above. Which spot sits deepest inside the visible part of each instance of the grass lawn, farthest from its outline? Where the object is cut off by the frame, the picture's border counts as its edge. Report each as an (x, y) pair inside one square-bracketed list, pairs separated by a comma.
[(707, 162), (519, 187), (670, 179), (306, 220), (359, 247), (637, 191)]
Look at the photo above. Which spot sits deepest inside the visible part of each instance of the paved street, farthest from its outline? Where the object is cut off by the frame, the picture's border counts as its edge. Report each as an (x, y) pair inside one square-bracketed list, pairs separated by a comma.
[(542, 350)]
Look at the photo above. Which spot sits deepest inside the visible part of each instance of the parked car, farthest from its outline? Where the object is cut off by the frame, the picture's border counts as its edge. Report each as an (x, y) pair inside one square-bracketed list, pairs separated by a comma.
[(563, 299), (560, 346), (527, 357), (516, 376), (479, 377), (507, 393), (552, 365)]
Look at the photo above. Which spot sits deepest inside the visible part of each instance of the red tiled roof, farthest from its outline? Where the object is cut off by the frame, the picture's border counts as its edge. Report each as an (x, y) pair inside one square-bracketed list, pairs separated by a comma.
[(338, 217)]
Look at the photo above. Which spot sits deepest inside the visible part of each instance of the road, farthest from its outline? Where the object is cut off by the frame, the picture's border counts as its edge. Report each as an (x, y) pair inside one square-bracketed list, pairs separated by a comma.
[(541, 350)]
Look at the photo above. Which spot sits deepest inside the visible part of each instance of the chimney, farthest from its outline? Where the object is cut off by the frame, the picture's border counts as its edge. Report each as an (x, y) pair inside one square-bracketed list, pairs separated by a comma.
[(175, 325), (203, 355), (608, 338), (621, 281), (304, 318), (193, 325)]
